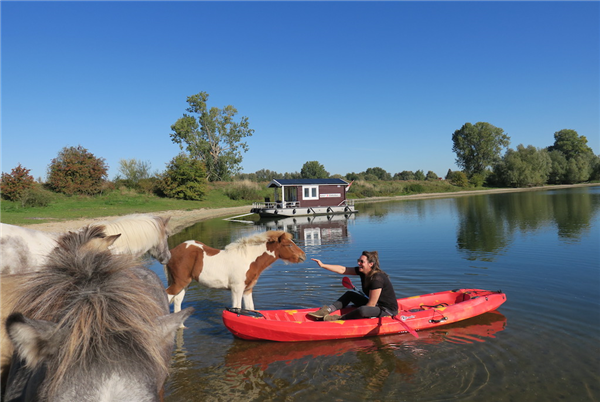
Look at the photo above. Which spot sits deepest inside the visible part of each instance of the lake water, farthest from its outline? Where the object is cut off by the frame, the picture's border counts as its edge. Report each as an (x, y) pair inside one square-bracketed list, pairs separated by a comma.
[(541, 248)]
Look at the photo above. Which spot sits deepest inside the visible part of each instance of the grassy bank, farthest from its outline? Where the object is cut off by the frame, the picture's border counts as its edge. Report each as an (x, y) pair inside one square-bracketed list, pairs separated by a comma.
[(118, 202), (221, 195)]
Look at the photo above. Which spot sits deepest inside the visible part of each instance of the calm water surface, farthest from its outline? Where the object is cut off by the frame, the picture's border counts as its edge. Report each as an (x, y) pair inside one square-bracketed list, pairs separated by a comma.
[(541, 248)]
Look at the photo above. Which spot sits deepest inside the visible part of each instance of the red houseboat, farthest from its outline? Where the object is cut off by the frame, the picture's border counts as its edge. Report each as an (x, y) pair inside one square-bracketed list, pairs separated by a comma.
[(298, 197)]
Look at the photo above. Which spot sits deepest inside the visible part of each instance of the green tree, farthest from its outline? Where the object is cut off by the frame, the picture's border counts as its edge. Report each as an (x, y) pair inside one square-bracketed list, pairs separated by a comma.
[(558, 170), (570, 144), (313, 170), (419, 175), (431, 176), (16, 184), (132, 171), (405, 175), (77, 171), (212, 136), (379, 173), (525, 166), (478, 146), (185, 178)]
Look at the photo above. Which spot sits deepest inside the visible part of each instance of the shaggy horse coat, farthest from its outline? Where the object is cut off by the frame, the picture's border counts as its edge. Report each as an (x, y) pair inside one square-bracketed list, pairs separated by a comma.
[(89, 326), (237, 267)]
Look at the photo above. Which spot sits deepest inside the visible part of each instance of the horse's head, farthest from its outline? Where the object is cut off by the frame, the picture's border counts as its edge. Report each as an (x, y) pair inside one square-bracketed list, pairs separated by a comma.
[(161, 250), (281, 243)]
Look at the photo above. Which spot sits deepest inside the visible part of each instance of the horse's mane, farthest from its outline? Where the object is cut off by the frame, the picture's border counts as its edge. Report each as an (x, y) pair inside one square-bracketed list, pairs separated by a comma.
[(138, 231), (98, 299), (257, 239)]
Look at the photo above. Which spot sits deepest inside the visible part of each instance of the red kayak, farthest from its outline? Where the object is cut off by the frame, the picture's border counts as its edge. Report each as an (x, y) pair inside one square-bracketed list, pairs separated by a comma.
[(415, 314)]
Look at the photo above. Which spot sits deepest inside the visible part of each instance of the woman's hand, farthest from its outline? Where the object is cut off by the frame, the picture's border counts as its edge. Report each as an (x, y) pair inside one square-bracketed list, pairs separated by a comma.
[(318, 262)]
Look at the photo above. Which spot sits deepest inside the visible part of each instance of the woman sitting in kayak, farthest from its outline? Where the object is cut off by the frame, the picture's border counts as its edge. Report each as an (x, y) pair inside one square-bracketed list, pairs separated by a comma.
[(381, 300)]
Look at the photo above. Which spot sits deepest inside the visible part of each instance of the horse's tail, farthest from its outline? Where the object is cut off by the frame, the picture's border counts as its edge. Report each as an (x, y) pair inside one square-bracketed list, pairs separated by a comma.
[(168, 274)]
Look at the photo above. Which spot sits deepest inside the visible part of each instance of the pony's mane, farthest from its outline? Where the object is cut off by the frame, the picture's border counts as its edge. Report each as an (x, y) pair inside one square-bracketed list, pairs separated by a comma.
[(137, 232), (257, 239), (98, 299)]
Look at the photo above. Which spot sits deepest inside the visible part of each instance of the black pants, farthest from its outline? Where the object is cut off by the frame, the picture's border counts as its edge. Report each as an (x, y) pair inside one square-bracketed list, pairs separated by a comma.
[(360, 301)]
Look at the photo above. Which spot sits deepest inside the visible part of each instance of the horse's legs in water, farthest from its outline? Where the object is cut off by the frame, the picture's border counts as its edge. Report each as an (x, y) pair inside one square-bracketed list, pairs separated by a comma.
[(177, 300), (247, 298)]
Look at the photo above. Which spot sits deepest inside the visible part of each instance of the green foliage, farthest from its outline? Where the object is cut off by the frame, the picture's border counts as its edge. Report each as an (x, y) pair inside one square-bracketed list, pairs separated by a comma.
[(595, 168), (414, 188), (477, 180), (314, 170), (185, 179), (478, 146), (577, 169), (459, 179), (15, 184), (570, 144), (352, 176), (419, 175), (77, 171), (525, 166), (405, 175), (431, 176), (212, 136), (36, 196), (132, 171), (378, 173), (243, 190)]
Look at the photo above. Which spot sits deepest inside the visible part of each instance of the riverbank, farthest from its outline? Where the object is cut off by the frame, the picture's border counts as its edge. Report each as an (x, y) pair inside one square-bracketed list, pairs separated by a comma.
[(181, 219)]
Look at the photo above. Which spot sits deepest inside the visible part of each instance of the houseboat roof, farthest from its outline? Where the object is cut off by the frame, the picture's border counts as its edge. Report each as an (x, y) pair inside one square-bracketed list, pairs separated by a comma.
[(306, 182)]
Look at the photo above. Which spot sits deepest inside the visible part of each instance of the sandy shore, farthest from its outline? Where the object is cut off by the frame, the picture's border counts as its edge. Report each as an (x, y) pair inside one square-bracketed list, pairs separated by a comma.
[(181, 219)]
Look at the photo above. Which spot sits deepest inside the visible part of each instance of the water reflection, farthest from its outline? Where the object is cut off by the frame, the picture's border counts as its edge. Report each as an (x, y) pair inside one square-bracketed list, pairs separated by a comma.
[(488, 224), (312, 230), (307, 230)]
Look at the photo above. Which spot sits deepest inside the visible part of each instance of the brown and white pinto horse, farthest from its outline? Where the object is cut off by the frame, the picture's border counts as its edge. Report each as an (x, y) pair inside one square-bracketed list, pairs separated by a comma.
[(237, 267)]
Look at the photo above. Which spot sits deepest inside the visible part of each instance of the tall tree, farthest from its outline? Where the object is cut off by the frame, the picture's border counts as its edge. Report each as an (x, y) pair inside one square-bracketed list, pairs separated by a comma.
[(314, 170), (478, 146), (524, 166), (212, 136), (570, 144)]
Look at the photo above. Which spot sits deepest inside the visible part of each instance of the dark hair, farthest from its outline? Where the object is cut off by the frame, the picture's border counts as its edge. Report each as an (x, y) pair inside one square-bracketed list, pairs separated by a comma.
[(372, 257)]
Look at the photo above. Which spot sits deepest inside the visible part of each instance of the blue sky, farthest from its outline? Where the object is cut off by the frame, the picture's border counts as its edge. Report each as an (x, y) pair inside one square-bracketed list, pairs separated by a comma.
[(352, 85)]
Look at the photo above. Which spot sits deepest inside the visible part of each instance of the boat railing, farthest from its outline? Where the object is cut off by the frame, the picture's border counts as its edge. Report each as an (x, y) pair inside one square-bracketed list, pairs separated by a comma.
[(277, 204), (346, 203)]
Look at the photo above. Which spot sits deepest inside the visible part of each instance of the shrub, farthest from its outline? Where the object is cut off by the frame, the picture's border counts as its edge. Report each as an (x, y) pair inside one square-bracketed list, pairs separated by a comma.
[(14, 185), (243, 190), (459, 179), (477, 180), (414, 188), (185, 178), (36, 197), (77, 171)]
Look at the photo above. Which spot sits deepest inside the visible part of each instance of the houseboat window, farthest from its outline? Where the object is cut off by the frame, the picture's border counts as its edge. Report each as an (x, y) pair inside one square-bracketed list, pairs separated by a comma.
[(311, 192)]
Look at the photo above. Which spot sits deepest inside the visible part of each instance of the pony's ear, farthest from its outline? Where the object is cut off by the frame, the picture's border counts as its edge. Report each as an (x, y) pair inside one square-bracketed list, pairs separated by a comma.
[(33, 340), (166, 219), (284, 236), (169, 323), (100, 244), (110, 240)]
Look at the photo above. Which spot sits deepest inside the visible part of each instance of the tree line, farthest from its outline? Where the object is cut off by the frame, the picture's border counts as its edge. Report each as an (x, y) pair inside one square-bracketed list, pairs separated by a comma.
[(212, 142)]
